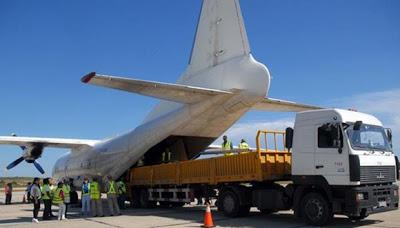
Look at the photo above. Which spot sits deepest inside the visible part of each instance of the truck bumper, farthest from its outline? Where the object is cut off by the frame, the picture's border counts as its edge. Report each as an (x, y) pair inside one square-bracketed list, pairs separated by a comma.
[(365, 200)]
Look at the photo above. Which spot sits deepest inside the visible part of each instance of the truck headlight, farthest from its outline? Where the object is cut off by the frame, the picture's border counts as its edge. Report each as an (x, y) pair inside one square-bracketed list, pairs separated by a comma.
[(360, 196)]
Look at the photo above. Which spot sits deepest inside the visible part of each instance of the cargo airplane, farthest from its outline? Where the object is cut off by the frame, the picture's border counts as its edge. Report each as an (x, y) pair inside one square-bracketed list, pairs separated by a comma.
[(221, 83)]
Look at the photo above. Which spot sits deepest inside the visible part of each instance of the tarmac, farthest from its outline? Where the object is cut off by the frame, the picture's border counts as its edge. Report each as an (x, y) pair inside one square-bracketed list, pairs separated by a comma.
[(20, 215)]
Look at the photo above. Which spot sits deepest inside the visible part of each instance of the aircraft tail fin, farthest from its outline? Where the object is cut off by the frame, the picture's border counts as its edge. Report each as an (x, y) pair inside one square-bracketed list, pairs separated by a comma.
[(220, 35)]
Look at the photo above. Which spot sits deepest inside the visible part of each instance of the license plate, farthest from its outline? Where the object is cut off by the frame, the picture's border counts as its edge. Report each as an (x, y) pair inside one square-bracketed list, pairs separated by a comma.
[(382, 204)]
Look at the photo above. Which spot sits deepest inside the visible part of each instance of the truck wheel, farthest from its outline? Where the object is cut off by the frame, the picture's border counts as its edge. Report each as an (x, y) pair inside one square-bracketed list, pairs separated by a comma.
[(230, 204), (144, 199), (316, 210)]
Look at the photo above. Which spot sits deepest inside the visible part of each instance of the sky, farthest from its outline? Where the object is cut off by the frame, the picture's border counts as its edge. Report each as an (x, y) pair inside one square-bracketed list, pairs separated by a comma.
[(332, 53)]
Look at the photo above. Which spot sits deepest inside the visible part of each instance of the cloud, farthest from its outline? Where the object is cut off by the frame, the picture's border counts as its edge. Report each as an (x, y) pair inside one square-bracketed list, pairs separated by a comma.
[(385, 105)]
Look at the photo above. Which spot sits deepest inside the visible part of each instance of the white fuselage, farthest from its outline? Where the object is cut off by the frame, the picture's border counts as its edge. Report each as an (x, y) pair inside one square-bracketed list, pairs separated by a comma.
[(209, 119)]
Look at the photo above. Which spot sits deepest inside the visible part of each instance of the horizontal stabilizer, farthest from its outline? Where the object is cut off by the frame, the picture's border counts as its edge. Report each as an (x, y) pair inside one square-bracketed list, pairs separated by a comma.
[(166, 91), (46, 142), (276, 105)]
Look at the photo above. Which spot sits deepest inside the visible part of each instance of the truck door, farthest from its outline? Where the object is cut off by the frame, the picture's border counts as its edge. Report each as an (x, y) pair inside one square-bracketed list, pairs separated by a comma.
[(330, 156)]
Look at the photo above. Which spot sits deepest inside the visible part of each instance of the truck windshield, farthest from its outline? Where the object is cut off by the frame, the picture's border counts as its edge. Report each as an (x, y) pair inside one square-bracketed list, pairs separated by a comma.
[(369, 137)]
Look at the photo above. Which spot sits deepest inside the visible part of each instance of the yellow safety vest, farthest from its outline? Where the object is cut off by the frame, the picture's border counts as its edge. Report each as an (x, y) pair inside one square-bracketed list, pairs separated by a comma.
[(46, 192), (66, 189), (227, 146), (94, 191), (111, 188), (244, 146), (57, 198), (121, 188)]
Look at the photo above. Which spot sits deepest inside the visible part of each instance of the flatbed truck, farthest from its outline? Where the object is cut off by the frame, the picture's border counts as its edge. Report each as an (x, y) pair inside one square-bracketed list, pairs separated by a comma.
[(332, 162)]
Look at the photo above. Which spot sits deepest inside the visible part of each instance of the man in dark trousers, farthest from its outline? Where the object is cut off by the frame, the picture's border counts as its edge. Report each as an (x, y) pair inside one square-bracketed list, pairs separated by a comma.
[(46, 197), (8, 191), (36, 195)]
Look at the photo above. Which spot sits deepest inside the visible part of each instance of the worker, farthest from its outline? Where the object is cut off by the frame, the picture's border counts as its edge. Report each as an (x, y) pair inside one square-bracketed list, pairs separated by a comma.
[(8, 191), (85, 196), (52, 188), (36, 195), (244, 146), (95, 198), (59, 199), (67, 197), (166, 156), (121, 194), (46, 197), (28, 192), (141, 161), (227, 146), (111, 189)]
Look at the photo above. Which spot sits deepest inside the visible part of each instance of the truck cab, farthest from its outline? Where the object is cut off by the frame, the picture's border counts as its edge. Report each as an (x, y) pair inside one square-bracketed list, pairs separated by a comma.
[(346, 157)]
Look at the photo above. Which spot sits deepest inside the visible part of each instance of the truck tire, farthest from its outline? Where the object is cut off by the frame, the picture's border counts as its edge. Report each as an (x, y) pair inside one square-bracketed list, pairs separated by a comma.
[(316, 209), (230, 204), (144, 199)]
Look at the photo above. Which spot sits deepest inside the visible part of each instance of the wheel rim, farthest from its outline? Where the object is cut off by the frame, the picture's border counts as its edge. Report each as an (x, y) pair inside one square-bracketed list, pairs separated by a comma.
[(229, 203), (314, 209)]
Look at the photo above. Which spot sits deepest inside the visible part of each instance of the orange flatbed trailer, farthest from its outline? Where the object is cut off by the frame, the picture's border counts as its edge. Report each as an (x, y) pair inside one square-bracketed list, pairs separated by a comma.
[(249, 166)]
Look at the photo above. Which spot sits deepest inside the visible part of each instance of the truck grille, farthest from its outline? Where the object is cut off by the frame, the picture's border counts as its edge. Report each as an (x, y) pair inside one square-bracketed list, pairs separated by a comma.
[(377, 174)]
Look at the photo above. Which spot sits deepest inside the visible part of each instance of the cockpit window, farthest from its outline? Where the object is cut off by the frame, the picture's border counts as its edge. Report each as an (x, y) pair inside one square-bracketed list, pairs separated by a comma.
[(369, 137)]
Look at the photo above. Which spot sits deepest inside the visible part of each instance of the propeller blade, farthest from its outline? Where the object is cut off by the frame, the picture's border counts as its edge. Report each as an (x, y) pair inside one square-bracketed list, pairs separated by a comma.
[(38, 167), (15, 163)]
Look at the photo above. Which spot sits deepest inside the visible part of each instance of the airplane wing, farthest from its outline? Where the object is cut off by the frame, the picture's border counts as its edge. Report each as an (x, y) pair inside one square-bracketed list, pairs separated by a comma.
[(46, 142), (166, 91), (276, 105)]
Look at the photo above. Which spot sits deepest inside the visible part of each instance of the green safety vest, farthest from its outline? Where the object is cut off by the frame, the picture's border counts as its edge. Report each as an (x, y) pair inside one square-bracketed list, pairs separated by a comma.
[(121, 188), (244, 145), (66, 189), (227, 146), (94, 191), (57, 198), (46, 192), (111, 188)]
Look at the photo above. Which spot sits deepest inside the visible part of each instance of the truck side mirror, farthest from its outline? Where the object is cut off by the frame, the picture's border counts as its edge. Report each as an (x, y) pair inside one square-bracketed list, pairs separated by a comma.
[(289, 138), (389, 134), (357, 125)]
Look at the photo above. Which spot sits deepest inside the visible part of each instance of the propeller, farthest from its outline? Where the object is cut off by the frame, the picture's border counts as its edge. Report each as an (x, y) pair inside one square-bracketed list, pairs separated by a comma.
[(38, 167), (29, 157), (15, 163)]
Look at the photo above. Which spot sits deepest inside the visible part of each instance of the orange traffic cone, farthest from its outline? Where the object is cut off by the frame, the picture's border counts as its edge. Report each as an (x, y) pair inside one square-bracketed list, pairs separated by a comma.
[(208, 221)]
